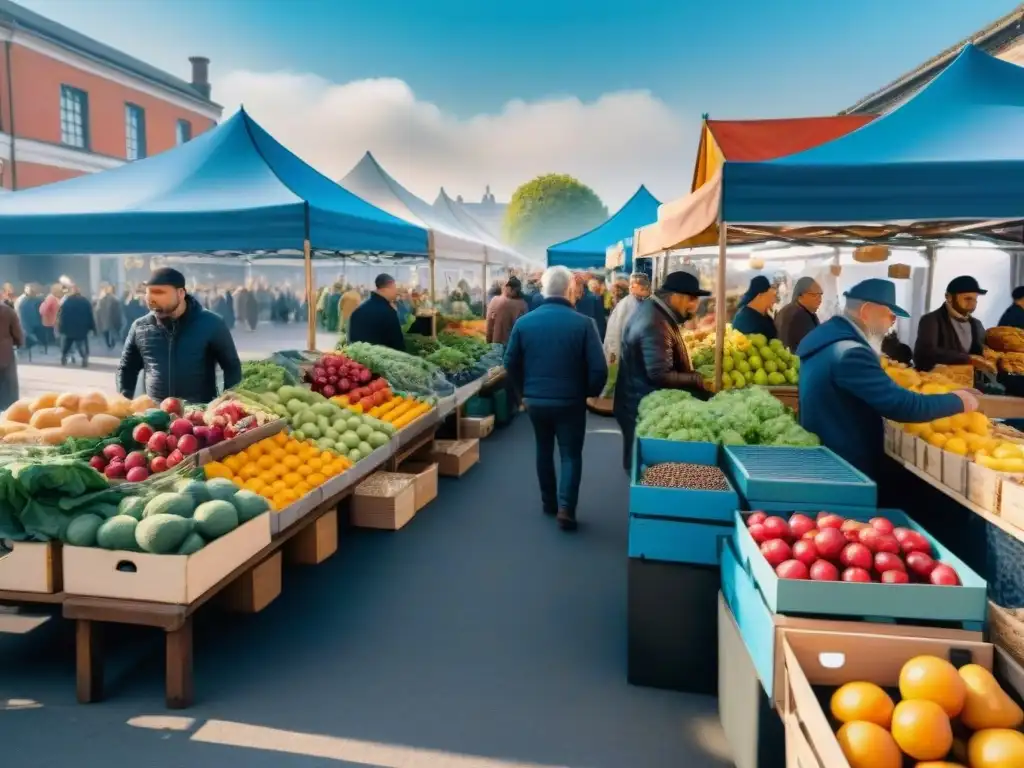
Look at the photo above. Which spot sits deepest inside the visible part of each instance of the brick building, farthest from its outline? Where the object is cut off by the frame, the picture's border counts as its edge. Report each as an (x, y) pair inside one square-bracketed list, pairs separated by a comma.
[(70, 105)]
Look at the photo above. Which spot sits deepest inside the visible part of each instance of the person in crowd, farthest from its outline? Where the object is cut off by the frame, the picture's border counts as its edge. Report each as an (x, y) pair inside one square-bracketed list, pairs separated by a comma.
[(1013, 317), (653, 355), (896, 350), (555, 361), (178, 345), (246, 308), (109, 316), (845, 393), (350, 301), (11, 338), (590, 305), (375, 321), (951, 335), (799, 317), (620, 290), (7, 295), (596, 285), (28, 306), (754, 306), (639, 291), (133, 310), (48, 314), (75, 321), (220, 306), (503, 312)]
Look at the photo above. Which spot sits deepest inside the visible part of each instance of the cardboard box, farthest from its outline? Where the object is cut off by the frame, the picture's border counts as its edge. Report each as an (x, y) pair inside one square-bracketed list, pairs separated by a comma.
[(256, 589), (390, 509), (454, 457), (832, 659), (316, 542), (31, 566), (175, 579), (424, 477), (479, 428)]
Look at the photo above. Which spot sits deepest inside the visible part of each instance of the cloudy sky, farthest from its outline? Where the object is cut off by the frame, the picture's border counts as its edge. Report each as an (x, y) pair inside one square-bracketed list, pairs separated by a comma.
[(464, 94)]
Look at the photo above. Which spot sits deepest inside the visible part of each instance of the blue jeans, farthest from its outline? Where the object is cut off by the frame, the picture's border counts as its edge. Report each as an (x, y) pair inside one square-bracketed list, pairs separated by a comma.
[(566, 425)]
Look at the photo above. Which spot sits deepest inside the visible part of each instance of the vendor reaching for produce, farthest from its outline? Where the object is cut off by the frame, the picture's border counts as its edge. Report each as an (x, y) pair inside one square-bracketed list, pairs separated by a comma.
[(178, 344), (376, 321), (951, 335), (845, 393), (653, 354), (752, 316)]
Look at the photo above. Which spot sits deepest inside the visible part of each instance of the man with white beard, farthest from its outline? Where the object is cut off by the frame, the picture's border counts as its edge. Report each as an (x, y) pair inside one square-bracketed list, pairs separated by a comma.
[(845, 393)]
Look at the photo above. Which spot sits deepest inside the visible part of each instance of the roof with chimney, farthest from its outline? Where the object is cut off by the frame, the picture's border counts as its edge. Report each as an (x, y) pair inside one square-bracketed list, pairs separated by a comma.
[(14, 16), (993, 39)]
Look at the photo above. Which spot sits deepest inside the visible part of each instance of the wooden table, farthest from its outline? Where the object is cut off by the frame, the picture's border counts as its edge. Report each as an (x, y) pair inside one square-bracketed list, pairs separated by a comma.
[(91, 613)]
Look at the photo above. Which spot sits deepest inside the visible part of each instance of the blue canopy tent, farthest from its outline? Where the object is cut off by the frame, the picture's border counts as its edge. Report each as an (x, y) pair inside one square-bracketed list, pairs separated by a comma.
[(587, 251)]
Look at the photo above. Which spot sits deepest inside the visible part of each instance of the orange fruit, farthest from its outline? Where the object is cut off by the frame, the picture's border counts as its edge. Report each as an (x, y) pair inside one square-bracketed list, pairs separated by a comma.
[(278, 454), (267, 476), (305, 470), (922, 729), (316, 479), (278, 485), (281, 437), (862, 701), (292, 461), (929, 678), (867, 745), (292, 479), (996, 748), (326, 456), (254, 451), (266, 461), (315, 463), (234, 463), (249, 471)]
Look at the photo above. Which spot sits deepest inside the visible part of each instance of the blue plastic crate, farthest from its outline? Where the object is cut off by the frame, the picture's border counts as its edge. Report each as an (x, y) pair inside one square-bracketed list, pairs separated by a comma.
[(678, 503), (676, 541), (807, 475), (756, 623), (811, 508), (966, 604)]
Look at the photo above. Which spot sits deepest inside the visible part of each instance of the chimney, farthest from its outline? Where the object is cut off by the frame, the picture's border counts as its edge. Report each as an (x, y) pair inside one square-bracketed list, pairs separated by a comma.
[(201, 75)]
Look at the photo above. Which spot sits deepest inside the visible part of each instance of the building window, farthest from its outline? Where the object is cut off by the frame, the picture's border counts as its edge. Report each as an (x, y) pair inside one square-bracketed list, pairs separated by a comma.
[(74, 117), (184, 131), (135, 132)]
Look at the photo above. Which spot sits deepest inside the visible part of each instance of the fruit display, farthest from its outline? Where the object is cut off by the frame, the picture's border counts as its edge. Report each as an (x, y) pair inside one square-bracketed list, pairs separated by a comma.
[(974, 436), (281, 469), (365, 399), (401, 410), (698, 477), (52, 418), (471, 327), (1004, 338), (832, 548), (747, 417), (747, 359), (403, 371), (335, 374), (943, 717), (924, 382), (178, 521)]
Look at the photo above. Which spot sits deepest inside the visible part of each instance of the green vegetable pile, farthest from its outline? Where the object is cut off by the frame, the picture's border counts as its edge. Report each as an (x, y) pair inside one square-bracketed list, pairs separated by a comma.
[(450, 360), (419, 345), (264, 376), (470, 346), (403, 371), (734, 417)]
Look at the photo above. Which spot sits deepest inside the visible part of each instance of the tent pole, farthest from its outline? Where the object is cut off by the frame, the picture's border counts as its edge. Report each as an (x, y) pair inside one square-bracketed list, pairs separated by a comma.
[(723, 239), (307, 258), (930, 254), (433, 284)]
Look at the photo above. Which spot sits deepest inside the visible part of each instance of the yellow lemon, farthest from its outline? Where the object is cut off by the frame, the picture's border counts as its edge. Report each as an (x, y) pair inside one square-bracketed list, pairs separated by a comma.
[(960, 420), (956, 445), (234, 463), (978, 423), (942, 425), (937, 439), (316, 479), (216, 469)]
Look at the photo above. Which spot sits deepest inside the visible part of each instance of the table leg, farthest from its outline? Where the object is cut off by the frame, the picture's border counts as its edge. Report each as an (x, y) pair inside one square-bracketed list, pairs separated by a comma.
[(179, 667), (88, 661)]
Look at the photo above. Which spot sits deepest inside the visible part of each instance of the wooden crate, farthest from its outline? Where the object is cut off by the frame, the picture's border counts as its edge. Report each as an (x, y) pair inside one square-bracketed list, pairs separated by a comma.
[(256, 589), (388, 512), (31, 566), (316, 542)]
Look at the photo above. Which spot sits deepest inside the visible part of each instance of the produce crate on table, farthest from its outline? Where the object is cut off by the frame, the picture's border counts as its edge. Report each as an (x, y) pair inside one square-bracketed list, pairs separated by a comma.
[(30, 566), (789, 478)]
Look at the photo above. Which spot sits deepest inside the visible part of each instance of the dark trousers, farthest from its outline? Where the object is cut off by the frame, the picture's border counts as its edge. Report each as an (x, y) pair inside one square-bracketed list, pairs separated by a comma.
[(111, 338), (566, 425), (627, 423), (81, 346)]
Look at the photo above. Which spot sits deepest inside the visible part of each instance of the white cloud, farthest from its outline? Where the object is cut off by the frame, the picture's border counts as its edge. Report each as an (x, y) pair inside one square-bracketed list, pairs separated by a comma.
[(613, 144)]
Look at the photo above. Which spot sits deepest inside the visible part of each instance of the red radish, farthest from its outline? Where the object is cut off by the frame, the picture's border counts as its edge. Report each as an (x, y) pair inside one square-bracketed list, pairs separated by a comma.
[(114, 470), (805, 551), (134, 459), (758, 533), (921, 564), (776, 552), (172, 405), (943, 575), (197, 418), (98, 463), (887, 561), (792, 569), (830, 543), (174, 459), (328, 391), (181, 427), (856, 575), (215, 435), (365, 375), (895, 577), (756, 518), (137, 475), (888, 543), (157, 465), (142, 433), (915, 542), (810, 534), (114, 452), (202, 435), (157, 443), (344, 385), (188, 444), (830, 521), (823, 570), (881, 524), (776, 527), (857, 556), (800, 524), (172, 443)]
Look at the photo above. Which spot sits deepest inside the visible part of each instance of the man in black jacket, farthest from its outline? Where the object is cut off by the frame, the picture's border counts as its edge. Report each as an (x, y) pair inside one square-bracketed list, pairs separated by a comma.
[(950, 335), (75, 321), (652, 354), (178, 344), (375, 321), (1013, 317), (798, 318)]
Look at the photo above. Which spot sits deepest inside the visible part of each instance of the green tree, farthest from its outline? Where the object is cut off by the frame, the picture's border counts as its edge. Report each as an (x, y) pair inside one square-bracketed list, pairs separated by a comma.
[(550, 209)]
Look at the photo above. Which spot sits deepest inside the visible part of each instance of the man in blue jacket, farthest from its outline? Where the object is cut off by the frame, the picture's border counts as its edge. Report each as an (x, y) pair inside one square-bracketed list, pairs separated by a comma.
[(845, 394), (555, 359)]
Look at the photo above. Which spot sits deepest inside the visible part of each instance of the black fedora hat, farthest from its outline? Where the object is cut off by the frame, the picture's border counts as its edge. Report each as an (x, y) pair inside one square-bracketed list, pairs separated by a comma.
[(683, 282)]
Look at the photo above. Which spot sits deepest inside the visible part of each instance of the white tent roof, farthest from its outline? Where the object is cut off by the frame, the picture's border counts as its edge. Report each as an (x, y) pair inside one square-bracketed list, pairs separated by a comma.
[(497, 251)]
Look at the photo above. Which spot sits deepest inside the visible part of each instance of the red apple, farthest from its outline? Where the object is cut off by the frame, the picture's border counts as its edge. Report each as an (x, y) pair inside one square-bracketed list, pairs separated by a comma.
[(172, 405), (157, 443), (869, 538), (943, 575), (852, 525), (114, 470), (800, 524), (98, 463), (114, 452), (157, 464), (134, 459), (900, 533), (775, 551), (881, 524), (142, 433), (895, 577), (856, 574), (857, 556), (887, 561), (758, 533), (829, 521), (852, 534), (137, 475), (180, 427), (188, 444), (915, 542), (830, 543), (920, 564), (887, 543), (776, 527), (756, 518), (805, 551), (174, 458), (823, 570), (172, 443), (792, 569), (810, 534)]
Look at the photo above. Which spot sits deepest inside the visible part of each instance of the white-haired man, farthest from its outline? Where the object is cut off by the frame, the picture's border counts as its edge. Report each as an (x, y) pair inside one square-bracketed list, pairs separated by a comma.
[(555, 360)]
